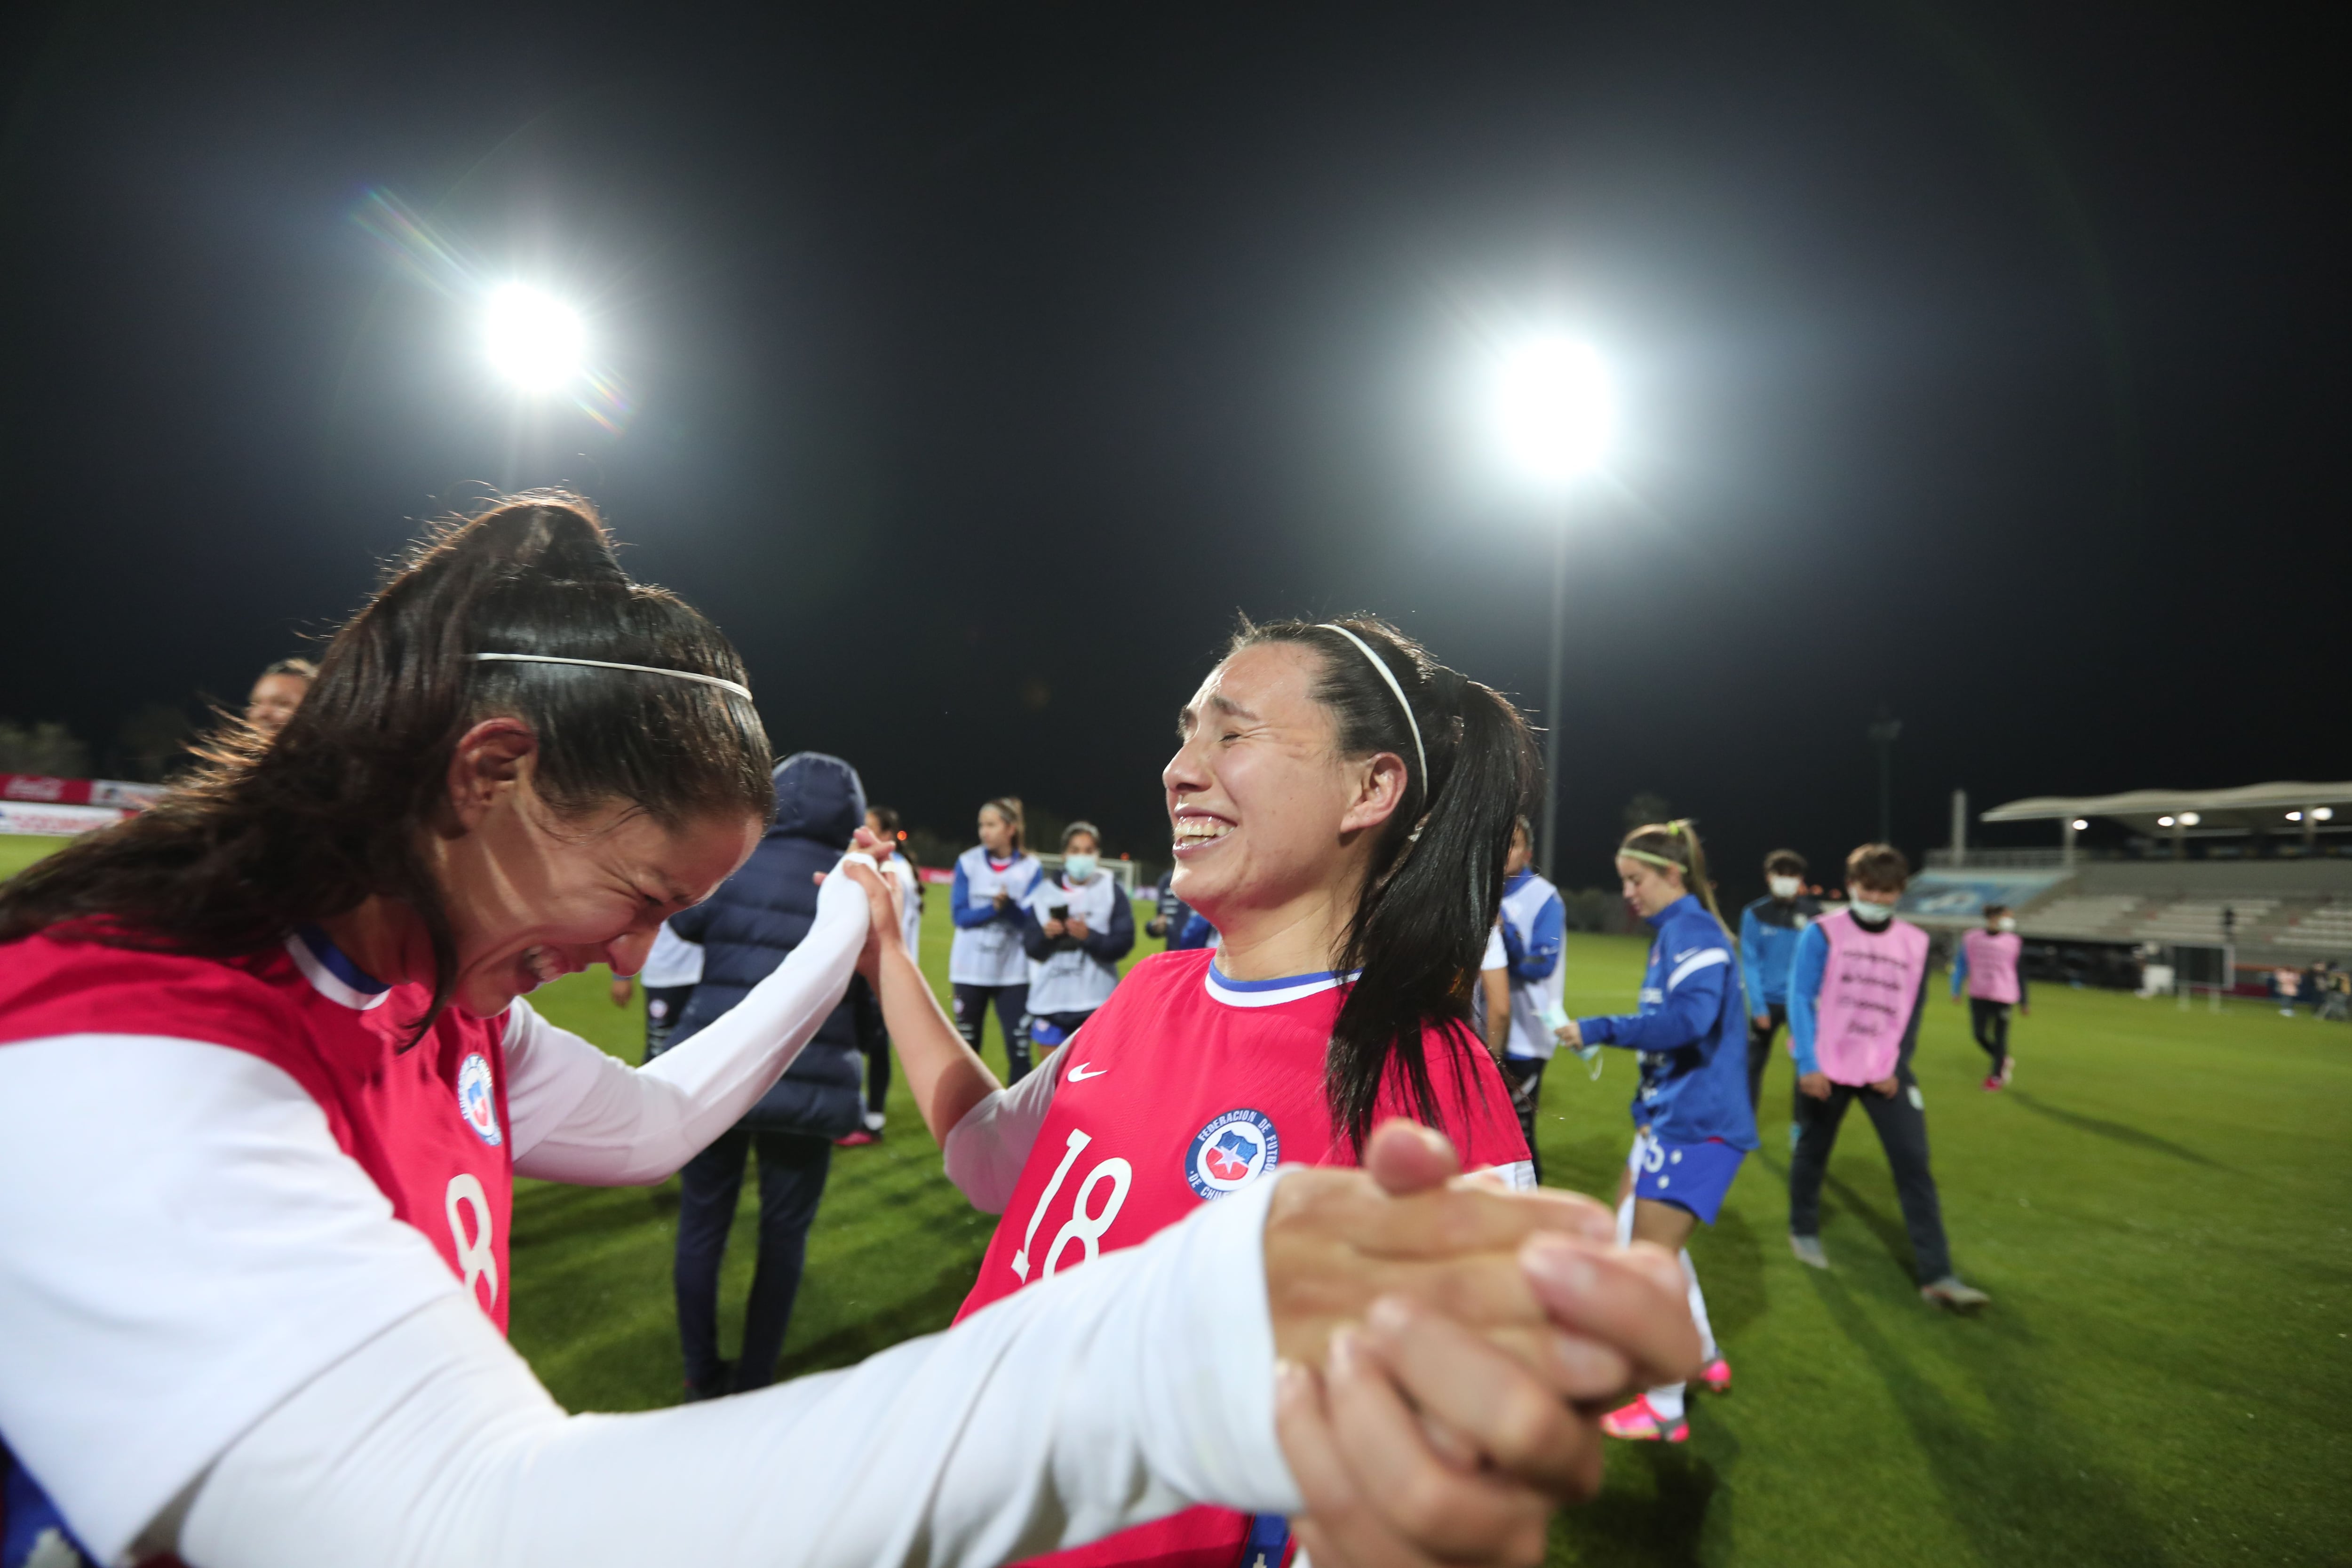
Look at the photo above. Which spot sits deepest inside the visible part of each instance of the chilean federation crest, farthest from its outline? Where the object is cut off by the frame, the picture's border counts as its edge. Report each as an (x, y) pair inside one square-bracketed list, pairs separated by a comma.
[(1233, 1151), (476, 1103)]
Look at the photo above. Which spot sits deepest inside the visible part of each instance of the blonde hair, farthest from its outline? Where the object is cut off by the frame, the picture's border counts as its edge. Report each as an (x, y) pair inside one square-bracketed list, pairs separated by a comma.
[(1675, 846)]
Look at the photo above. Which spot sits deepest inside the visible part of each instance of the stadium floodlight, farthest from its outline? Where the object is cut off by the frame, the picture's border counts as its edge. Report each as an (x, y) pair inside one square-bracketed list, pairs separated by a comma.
[(535, 341), (1553, 407), (2189, 819), (1554, 414), (2164, 822), (2322, 813), (2079, 823), (2294, 817)]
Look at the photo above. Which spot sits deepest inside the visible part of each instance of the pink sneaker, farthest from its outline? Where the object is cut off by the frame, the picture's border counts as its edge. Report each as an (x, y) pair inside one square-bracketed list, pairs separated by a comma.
[(857, 1140), (1995, 1082), (1639, 1422), (1716, 1376)]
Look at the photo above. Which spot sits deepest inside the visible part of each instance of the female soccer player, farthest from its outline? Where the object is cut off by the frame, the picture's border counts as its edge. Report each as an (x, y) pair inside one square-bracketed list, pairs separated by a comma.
[(986, 962), (267, 1077), (1076, 924), (1342, 806), (1692, 1121)]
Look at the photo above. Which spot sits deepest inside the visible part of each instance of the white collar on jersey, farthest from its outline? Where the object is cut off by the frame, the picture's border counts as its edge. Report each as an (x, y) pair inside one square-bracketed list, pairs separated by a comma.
[(333, 974), (1267, 993)]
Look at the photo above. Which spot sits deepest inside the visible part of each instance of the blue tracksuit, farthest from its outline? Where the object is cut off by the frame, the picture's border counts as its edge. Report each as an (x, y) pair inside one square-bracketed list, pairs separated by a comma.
[(1692, 1032), (1769, 929)]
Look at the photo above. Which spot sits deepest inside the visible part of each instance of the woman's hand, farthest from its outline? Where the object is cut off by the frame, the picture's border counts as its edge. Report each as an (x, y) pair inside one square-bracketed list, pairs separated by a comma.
[(1076, 926), (1053, 929), (1003, 901), (1506, 1323), (1887, 1086), (1569, 1035), (621, 989), (1813, 1085), (881, 902)]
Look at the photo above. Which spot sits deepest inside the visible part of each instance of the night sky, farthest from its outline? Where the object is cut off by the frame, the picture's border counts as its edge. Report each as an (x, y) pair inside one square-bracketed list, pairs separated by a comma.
[(1982, 363)]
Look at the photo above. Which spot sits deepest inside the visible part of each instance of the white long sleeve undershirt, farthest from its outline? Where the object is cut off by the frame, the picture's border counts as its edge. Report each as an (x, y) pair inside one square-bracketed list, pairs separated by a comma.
[(579, 1115)]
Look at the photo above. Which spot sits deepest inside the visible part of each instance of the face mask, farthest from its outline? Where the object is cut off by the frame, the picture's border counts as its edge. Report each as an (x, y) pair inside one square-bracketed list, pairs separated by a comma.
[(1868, 912), (1079, 868), (2006, 922), (1784, 887)]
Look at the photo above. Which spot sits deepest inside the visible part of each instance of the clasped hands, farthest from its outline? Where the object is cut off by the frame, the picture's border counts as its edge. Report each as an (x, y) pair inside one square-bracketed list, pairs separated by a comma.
[(1445, 1348)]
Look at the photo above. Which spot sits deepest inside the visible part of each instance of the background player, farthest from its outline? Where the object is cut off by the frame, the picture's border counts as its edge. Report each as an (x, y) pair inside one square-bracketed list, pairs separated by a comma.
[(1987, 965), (1857, 987), (277, 693), (986, 962), (1692, 1128), (515, 764), (1768, 941), (1342, 806), (1533, 926), (1076, 924)]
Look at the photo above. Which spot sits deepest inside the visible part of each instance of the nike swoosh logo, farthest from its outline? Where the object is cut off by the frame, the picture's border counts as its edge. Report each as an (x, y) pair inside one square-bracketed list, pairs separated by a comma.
[(1079, 1074)]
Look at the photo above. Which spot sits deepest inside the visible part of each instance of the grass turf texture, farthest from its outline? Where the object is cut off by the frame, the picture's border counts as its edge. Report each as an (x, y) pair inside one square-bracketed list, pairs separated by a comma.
[(2157, 1206)]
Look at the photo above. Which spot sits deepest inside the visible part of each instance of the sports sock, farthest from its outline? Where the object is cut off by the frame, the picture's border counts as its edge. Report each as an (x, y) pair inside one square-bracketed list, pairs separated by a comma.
[(1698, 1310), (1667, 1401), (1625, 1223)]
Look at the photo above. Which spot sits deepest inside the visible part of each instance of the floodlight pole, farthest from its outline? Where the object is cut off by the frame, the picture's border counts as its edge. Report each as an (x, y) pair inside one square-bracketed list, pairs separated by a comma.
[(1550, 839)]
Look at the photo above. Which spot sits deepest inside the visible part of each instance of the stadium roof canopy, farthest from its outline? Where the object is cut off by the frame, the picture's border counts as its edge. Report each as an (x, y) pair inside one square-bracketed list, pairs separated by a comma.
[(2252, 807)]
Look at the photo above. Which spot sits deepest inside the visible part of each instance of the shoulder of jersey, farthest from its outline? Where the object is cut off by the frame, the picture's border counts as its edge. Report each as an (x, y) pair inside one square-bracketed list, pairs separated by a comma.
[(51, 985)]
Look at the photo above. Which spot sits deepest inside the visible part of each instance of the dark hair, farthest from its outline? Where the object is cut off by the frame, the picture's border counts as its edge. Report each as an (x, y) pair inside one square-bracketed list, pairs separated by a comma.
[(1992, 910), (271, 834), (1008, 806), (887, 816), (300, 667), (1880, 866), (1784, 860), (1677, 842), (1435, 881), (1074, 829)]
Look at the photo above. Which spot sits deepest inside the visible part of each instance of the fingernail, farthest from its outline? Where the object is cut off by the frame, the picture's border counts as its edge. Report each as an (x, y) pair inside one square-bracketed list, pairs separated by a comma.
[(1289, 1377), (1390, 1315), (1346, 1352), (1558, 1262)]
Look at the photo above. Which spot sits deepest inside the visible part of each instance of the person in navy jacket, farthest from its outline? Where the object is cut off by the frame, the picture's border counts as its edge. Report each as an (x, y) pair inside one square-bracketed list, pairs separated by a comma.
[(1693, 1124), (746, 928), (1076, 924), (1769, 929)]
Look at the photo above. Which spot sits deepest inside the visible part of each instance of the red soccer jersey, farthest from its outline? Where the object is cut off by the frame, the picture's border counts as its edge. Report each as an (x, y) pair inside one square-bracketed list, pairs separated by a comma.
[(427, 1125), (1187, 1086)]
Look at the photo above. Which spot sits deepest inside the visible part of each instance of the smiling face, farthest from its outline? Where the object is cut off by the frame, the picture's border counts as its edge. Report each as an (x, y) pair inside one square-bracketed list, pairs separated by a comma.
[(533, 894), (1265, 812), (273, 701), (1648, 887)]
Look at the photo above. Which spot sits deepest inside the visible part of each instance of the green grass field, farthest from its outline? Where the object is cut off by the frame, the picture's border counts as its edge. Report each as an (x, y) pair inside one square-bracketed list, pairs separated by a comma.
[(2157, 1206)]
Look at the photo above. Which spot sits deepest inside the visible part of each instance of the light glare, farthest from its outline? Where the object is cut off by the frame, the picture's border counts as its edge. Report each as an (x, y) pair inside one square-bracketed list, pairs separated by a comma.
[(535, 341), (1553, 407)]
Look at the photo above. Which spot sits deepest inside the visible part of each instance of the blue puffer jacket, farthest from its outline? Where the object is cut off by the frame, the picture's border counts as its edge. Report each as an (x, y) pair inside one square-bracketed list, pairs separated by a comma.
[(761, 913)]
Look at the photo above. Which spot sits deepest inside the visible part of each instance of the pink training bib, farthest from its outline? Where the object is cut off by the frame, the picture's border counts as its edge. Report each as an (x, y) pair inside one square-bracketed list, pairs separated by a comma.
[(1868, 992), (1992, 964)]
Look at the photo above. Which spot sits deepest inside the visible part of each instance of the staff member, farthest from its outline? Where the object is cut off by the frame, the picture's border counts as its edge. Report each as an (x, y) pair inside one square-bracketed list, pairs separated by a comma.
[(1856, 990), (1769, 929), (267, 1076), (986, 962), (1987, 965), (1077, 924), (671, 972)]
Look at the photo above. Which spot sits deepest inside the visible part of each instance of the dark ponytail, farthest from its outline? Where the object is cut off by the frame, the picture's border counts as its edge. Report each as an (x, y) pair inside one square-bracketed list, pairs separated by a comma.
[(1435, 881), (271, 833), (1676, 844)]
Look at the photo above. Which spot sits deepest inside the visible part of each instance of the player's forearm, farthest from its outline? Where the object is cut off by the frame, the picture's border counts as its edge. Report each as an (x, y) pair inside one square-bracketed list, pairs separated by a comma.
[(639, 1126), (943, 1074), (1101, 1398), (1499, 1010)]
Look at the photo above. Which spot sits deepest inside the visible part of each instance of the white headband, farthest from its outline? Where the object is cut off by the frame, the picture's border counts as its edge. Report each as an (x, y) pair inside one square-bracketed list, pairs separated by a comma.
[(1390, 676), (739, 689)]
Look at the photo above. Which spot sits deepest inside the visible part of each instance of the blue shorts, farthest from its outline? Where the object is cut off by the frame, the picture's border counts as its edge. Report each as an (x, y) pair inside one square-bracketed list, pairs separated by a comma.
[(1695, 1177)]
